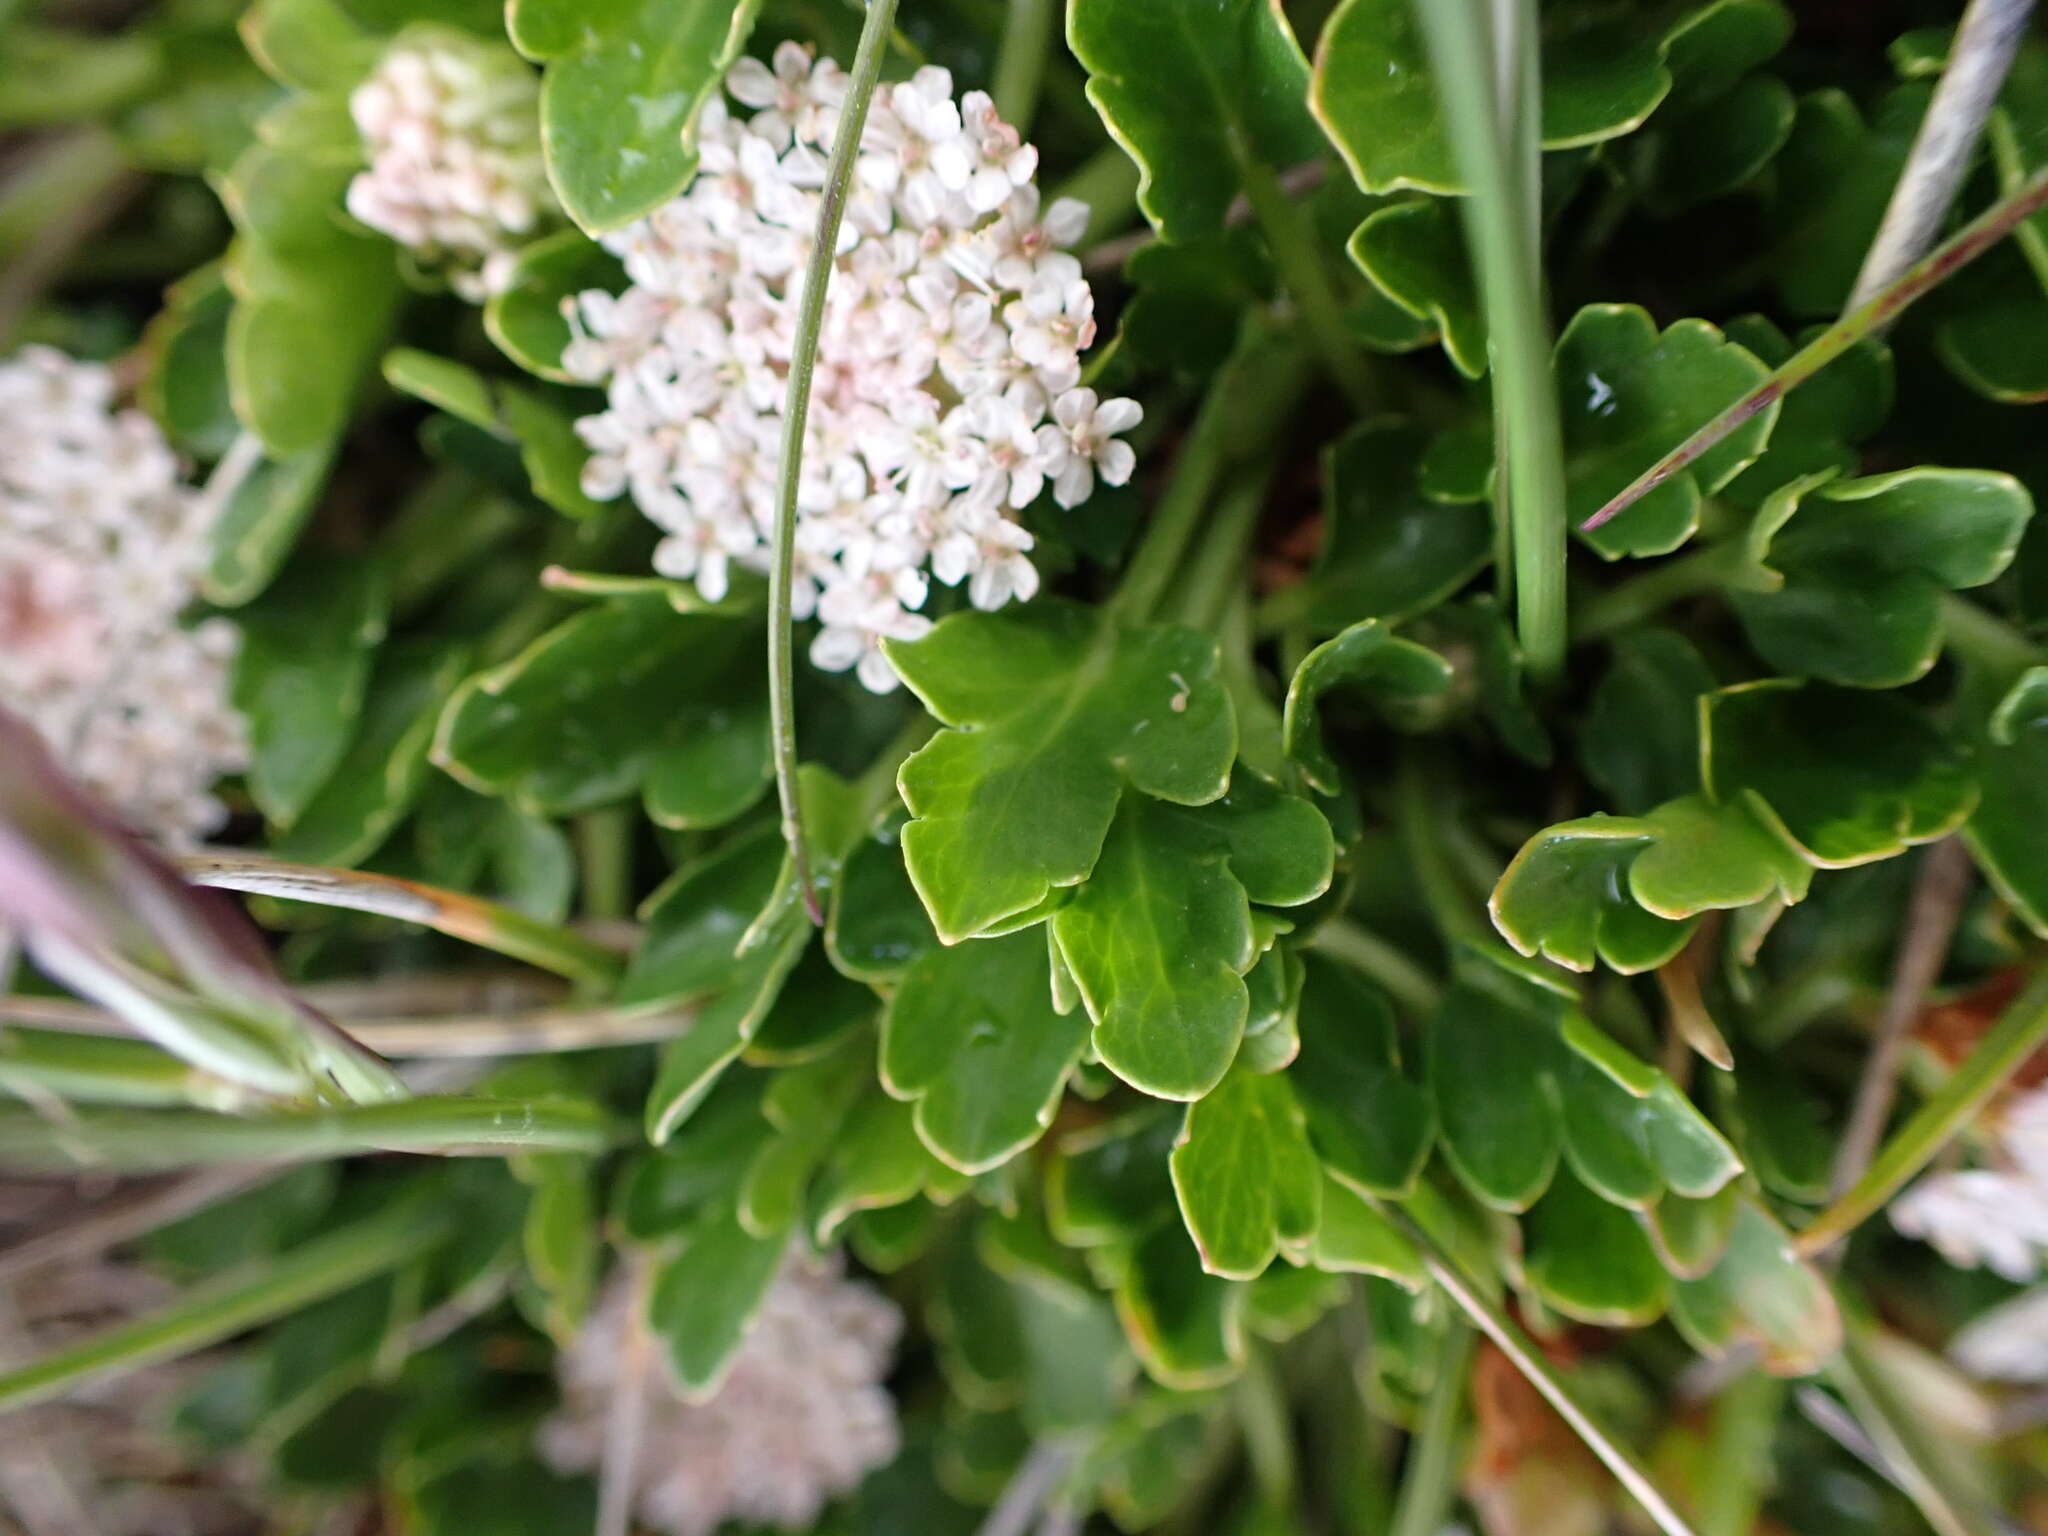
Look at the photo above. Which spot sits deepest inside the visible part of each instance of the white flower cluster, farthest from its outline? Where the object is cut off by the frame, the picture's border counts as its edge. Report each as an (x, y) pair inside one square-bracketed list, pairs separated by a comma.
[(800, 1419), (100, 551), (947, 394), (451, 125), (1994, 1217)]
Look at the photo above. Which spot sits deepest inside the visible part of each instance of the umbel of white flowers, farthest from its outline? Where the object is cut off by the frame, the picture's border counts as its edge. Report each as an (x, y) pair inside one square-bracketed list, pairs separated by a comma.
[(451, 126), (101, 547), (799, 1420), (947, 395)]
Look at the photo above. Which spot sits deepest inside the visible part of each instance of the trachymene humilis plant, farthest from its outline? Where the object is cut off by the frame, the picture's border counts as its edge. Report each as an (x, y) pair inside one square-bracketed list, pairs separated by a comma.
[(1217, 766)]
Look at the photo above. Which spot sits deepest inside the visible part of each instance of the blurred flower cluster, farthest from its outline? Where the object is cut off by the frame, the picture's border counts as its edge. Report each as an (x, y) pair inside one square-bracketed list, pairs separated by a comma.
[(451, 125), (101, 547), (800, 1418), (948, 390), (1994, 1218)]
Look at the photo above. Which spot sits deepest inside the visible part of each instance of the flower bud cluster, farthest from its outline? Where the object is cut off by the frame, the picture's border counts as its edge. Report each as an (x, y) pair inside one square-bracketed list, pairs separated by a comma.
[(101, 547), (1996, 1218), (451, 125), (799, 1420), (948, 392)]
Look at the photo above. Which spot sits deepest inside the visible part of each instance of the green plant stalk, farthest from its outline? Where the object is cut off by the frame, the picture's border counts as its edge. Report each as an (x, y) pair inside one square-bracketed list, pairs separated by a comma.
[(1217, 570), (1453, 908), (471, 919), (1913, 1461), (102, 1069), (1411, 986), (1639, 598), (1984, 639), (1020, 62), (1262, 1414), (220, 1308), (1925, 275), (1292, 240), (1739, 1439), (1203, 456), (604, 858), (1998, 1055), (110, 1140), (1495, 154), (1430, 1477), (796, 408), (1491, 1320)]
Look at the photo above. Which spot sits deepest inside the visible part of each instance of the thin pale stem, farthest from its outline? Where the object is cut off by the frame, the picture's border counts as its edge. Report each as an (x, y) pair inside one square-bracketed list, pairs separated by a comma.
[(1922, 278), (1203, 457), (1998, 1055), (1020, 61), (796, 408), (1979, 58), (154, 1141), (1895, 1432), (1495, 142), (1410, 985), (1218, 568), (1985, 639), (230, 1304), (1491, 1320), (1740, 1436), (1262, 1415), (1430, 1476), (604, 855), (1938, 891), (475, 921)]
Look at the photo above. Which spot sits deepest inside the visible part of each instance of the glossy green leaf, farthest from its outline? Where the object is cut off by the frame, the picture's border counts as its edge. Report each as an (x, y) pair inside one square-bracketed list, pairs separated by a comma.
[(549, 448), (1624, 889), (807, 1105), (1821, 422), (1691, 1235), (1053, 710), (1997, 346), (1368, 657), (1185, 1325), (877, 1164), (815, 1015), (1249, 1187), (1641, 739), (665, 1189), (313, 45), (1830, 186), (1370, 1124), (1109, 1183), (1193, 96), (1491, 1071), (186, 387), (1376, 99), (313, 298), (1847, 776), (1415, 254), (564, 726), (1286, 1302), (1391, 551), (1864, 564), (1630, 393), (624, 85), (1353, 1238), (2008, 830), (384, 769), (1590, 1259), (1272, 1032), (300, 674), (525, 317), (693, 1064), (703, 1298), (1191, 296), (1632, 1147), (1723, 122), (256, 529), (970, 1036), (1763, 1293), (877, 926)]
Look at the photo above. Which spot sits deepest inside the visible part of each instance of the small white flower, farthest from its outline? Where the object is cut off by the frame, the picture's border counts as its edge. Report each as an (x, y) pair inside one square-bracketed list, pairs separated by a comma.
[(451, 126), (1080, 444)]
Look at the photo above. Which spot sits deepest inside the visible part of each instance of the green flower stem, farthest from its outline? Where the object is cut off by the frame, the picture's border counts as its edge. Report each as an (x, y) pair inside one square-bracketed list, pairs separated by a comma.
[(1203, 457), (108, 1140), (1925, 275), (247, 1297), (1739, 1439), (1262, 1414), (101, 1069), (1260, 724), (1998, 1055), (1985, 640), (1917, 1465), (1434, 1453), (474, 921), (1417, 814), (1638, 598), (1491, 1320), (1296, 252), (604, 857), (803, 358), (1497, 149), (1218, 569), (1408, 983), (1107, 182), (1020, 62)]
